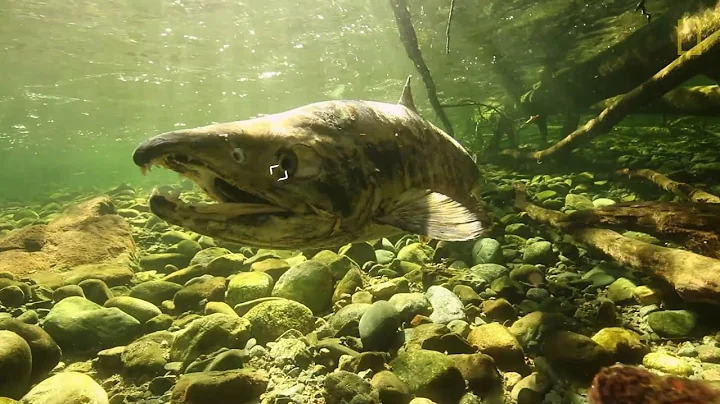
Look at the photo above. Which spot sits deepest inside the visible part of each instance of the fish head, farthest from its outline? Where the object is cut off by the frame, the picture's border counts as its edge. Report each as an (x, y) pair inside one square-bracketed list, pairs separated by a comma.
[(269, 169)]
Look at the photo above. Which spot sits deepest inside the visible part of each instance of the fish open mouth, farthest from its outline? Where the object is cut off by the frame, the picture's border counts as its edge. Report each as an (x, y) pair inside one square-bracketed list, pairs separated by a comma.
[(232, 194), (206, 178)]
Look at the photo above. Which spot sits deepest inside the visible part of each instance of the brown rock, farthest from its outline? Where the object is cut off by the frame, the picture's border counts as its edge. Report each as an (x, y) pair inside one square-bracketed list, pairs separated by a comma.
[(89, 232), (495, 340), (480, 372), (229, 386)]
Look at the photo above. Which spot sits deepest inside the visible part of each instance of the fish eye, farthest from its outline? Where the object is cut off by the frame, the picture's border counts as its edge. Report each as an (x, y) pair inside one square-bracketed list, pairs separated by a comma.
[(288, 161), (238, 155)]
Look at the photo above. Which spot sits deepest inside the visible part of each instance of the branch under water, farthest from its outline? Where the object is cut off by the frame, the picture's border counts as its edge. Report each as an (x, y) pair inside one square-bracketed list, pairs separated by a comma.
[(409, 40), (696, 61)]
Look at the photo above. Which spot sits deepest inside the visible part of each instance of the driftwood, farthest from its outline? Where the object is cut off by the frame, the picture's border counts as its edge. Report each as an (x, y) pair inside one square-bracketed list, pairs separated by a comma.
[(623, 66), (690, 64), (409, 40), (694, 225), (695, 277), (681, 189), (686, 101)]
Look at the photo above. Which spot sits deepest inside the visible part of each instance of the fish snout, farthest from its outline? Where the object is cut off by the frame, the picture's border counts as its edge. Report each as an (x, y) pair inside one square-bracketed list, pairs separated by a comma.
[(179, 143)]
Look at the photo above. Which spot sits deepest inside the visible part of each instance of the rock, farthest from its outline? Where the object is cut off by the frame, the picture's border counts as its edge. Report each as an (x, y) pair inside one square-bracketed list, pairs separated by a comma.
[(667, 363), (480, 372), (539, 252), (348, 315), (203, 289), (219, 307), (487, 251), (229, 359), (247, 286), (12, 296), (339, 264), (309, 283), (384, 257), (158, 262), (499, 310), (488, 272), (156, 291), (158, 323), (625, 345), (467, 295), (582, 356), (345, 388), (89, 232), (147, 356), (290, 352), (360, 253), (603, 202), (80, 325), (528, 274), (495, 340), (138, 308), (545, 195), (386, 290), (416, 253), (15, 364), (646, 296), (446, 305), (531, 327), (621, 290), (578, 202), (391, 389), (67, 388), (348, 284), (227, 264), (204, 257), (229, 386), (208, 334), (67, 291), (507, 288), (270, 319), (272, 266), (531, 389), (378, 326), (96, 291), (672, 323), (45, 352), (429, 374), (518, 229), (409, 305), (174, 236), (188, 248), (709, 353)]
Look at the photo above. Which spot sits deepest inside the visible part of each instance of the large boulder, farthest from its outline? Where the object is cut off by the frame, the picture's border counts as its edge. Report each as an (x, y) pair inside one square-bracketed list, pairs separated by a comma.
[(89, 232)]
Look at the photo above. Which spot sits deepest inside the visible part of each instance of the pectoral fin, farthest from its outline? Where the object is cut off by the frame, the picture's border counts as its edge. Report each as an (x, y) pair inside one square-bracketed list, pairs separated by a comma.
[(432, 214)]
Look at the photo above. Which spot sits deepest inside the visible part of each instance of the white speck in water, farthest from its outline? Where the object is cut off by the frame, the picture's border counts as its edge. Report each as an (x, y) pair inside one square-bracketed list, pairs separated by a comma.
[(267, 75), (320, 17)]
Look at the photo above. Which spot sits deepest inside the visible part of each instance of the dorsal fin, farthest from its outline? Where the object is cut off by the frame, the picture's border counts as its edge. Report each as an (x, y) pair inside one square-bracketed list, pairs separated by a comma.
[(406, 98)]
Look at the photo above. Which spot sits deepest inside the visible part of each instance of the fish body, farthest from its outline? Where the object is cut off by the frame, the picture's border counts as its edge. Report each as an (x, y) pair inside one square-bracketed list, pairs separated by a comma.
[(321, 175), (622, 384)]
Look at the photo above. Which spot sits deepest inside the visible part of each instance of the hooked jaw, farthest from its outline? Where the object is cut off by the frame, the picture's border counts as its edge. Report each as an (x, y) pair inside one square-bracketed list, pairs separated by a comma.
[(242, 215), (177, 151)]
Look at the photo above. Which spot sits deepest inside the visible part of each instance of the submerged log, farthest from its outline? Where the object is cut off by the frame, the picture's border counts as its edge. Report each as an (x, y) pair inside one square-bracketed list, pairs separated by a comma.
[(624, 65), (681, 189), (690, 101), (685, 67), (695, 277), (694, 225), (409, 40)]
